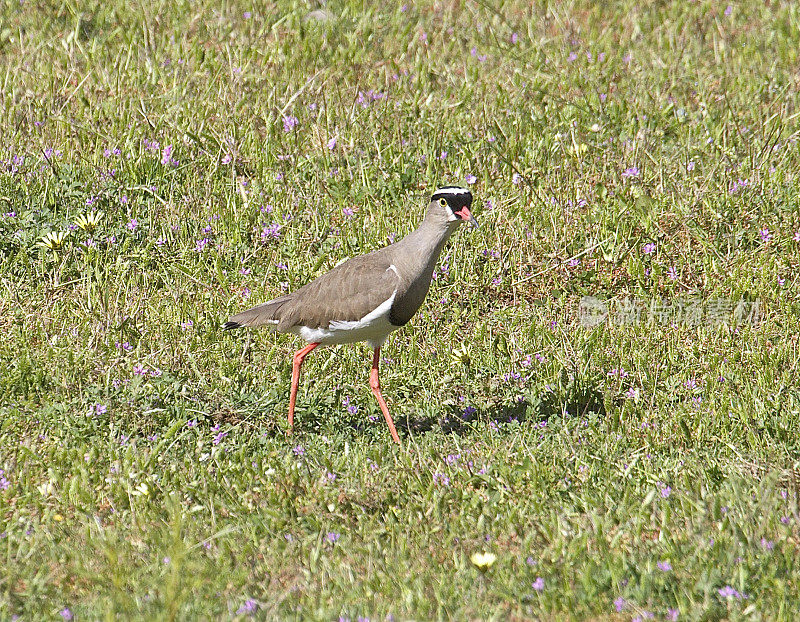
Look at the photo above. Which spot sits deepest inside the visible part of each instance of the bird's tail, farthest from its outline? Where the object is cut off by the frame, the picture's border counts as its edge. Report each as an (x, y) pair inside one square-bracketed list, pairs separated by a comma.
[(266, 313)]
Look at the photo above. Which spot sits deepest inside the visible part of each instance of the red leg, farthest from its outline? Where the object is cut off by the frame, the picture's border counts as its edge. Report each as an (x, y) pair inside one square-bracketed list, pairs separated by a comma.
[(375, 385), (297, 361)]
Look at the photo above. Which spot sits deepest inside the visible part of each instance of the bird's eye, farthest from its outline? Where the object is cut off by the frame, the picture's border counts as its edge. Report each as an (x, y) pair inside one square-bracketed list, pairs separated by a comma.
[(443, 202)]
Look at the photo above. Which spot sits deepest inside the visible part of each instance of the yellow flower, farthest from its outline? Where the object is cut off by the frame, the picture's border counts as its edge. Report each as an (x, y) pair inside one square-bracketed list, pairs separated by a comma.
[(483, 561), (460, 355), (88, 222), (54, 240)]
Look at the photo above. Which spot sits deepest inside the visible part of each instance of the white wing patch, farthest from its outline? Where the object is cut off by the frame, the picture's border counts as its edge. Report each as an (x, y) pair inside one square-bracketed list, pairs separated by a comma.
[(393, 267), (374, 327), (373, 318)]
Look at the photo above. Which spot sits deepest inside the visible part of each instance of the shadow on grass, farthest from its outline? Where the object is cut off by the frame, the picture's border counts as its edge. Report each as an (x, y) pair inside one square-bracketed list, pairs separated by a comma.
[(570, 397), (573, 397)]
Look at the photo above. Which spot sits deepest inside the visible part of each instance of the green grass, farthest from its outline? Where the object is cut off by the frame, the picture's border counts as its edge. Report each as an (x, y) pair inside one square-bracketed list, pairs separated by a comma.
[(173, 493)]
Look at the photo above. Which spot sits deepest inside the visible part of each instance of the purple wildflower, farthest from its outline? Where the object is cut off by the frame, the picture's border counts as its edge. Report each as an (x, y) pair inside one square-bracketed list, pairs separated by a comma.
[(538, 585), (219, 437), (289, 123), (100, 409), (649, 248), (299, 450), (192, 423), (166, 157), (664, 566), (65, 613), (271, 232), (729, 592), (738, 185), (470, 179), (619, 603), (4, 483), (672, 273), (332, 144), (250, 606), (441, 478), (139, 370), (132, 224), (765, 234), (631, 171), (332, 537), (200, 245)]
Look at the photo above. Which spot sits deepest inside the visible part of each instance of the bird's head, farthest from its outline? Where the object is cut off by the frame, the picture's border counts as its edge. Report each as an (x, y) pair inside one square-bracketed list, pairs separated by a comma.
[(454, 203)]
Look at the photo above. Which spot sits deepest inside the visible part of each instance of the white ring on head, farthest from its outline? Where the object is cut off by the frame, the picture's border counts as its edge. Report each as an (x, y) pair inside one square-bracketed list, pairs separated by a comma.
[(452, 190)]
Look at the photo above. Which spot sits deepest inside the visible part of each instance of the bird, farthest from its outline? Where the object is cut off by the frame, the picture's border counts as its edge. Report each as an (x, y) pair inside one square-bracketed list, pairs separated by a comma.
[(366, 297)]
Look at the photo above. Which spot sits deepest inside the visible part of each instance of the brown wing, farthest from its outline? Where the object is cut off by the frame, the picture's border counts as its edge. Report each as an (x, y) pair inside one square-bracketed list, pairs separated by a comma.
[(347, 293)]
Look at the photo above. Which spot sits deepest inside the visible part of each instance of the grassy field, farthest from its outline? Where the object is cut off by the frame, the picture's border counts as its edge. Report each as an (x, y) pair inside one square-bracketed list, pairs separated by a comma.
[(164, 165)]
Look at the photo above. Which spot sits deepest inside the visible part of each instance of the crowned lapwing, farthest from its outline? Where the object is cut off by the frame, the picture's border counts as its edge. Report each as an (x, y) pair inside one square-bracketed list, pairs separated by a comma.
[(366, 297)]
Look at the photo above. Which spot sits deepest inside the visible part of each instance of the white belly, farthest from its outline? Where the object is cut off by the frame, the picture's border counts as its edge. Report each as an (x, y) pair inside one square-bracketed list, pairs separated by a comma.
[(374, 328)]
